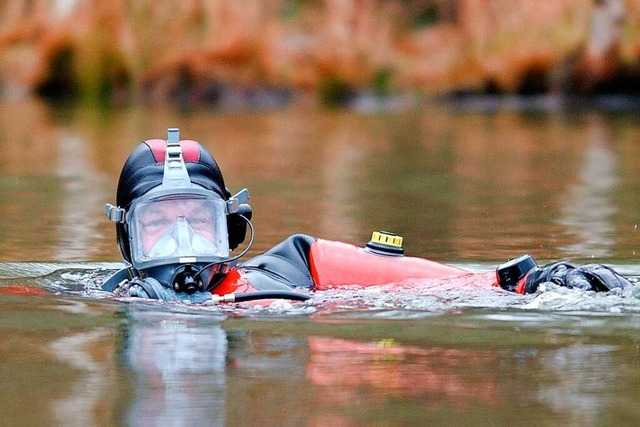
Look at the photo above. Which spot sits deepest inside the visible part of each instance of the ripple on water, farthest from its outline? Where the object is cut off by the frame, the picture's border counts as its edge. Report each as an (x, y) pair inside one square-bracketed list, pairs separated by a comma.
[(406, 301)]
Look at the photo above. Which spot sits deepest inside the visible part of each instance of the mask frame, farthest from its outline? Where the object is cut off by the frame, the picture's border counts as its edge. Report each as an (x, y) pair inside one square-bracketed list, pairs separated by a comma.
[(158, 196)]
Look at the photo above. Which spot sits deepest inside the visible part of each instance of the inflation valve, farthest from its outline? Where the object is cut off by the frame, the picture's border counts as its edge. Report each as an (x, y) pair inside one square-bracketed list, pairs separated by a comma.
[(385, 243)]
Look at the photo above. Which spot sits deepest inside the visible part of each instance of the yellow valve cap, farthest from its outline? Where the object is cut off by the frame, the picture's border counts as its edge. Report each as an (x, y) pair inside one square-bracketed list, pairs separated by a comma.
[(386, 238)]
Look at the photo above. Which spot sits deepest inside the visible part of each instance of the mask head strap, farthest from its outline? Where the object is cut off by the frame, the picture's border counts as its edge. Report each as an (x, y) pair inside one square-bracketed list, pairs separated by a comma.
[(175, 171), (175, 174)]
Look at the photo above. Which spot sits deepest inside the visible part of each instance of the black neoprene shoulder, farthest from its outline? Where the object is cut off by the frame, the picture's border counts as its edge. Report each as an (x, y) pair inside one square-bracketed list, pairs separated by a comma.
[(284, 266)]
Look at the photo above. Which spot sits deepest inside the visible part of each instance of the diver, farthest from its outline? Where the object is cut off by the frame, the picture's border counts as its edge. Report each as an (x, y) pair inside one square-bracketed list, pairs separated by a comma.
[(177, 226)]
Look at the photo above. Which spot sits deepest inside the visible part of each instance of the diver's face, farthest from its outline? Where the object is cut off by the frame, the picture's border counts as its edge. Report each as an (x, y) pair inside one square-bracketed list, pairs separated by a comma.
[(157, 218), (177, 225)]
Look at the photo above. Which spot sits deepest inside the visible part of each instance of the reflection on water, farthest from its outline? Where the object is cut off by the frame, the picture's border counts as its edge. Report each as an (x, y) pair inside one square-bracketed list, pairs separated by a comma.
[(194, 367), (572, 389), (78, 201), (388, 369), (459, 186), (465, 187), (78, 350), (588, 204), (178, 366)]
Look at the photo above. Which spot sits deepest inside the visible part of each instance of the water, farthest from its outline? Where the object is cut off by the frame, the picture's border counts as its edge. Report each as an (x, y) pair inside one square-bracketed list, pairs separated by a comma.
[(464, 186)]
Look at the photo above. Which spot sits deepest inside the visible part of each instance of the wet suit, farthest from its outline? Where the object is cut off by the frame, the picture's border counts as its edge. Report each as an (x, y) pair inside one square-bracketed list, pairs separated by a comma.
[(308, 262), (303, 261)]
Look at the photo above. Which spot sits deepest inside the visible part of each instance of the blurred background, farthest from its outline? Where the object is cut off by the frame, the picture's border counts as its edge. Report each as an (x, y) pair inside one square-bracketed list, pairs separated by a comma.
[(277, 52)]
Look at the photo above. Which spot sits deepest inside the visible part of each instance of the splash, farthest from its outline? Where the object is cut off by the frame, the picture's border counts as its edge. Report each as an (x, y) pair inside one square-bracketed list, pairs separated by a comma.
[(407, 300)]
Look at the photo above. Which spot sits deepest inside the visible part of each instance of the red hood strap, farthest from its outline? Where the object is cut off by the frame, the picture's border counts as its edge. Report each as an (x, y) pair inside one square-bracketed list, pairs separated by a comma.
[(190, 149)]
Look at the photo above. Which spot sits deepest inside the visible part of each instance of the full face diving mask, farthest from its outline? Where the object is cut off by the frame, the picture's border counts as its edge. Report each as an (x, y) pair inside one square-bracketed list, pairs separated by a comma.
[(178, 231), (165, 226)]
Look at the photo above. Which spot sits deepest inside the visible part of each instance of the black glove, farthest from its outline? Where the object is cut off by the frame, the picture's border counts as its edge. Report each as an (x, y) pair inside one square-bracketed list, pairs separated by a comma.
[(590, 277), (150, 288)]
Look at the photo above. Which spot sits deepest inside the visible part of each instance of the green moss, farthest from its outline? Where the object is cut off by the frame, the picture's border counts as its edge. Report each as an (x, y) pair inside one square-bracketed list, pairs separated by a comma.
[(61, 80), (335, 92), (382, 82), (290, 9), (104, 77), (82, 73), (426, 16)]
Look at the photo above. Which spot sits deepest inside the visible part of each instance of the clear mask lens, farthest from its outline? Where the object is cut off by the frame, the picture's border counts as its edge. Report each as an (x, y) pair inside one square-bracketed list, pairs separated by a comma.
[(181, 240), (179, 226)]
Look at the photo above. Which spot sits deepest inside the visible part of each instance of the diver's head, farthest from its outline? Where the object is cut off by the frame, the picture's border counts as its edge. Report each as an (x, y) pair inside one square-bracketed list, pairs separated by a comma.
[(175, 219)]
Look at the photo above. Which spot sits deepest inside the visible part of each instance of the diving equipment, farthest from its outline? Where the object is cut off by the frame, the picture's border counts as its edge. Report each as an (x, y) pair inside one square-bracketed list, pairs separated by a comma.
[(165, 224), (512, 271), (385, 243), (176, 221), (589, 277), (523, 276)]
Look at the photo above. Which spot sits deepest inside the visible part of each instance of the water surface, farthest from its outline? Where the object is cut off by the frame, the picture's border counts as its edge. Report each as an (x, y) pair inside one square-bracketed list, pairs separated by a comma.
[(468, 187)]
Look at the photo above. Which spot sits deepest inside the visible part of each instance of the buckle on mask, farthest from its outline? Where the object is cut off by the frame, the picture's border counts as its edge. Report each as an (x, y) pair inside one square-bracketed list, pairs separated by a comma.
[(114, 213), (234, 202), (175, 170)]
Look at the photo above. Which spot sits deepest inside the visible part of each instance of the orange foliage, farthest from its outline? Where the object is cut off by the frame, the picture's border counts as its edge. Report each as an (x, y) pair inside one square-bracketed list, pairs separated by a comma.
[(300, 44)]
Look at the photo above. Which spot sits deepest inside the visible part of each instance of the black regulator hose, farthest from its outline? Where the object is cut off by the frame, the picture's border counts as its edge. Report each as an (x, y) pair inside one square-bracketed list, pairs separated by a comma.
[(252, 296)]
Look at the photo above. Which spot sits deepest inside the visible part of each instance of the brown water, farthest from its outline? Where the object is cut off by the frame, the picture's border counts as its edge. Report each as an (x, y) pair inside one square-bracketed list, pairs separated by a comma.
[(468, 187)]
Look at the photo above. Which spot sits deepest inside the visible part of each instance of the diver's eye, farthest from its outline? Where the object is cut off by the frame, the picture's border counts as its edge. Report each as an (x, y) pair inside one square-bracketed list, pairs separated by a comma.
[(201, 223), (155, 225)]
